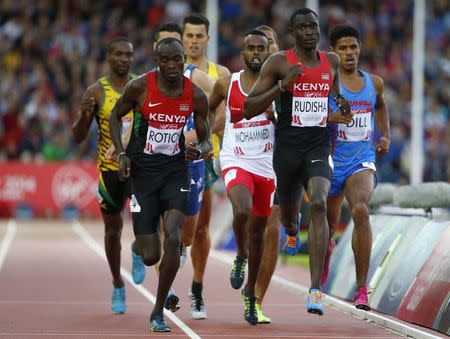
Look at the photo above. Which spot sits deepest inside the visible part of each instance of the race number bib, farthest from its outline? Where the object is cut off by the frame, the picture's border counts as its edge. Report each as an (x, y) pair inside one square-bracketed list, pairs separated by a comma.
[(253, 137), (309, 112), (360, 129), (163, 139)]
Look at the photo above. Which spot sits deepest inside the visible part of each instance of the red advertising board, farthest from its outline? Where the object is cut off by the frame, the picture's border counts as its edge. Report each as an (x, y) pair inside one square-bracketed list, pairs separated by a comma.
[(48, 187), (426, 302)]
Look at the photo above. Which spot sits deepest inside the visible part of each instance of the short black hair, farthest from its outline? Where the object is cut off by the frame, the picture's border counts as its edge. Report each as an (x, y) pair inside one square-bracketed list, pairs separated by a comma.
[(196, 19), (302, 11), (341, 31), (167, 41), (255, 32), (170, 27), (116, 40), (268, 28)]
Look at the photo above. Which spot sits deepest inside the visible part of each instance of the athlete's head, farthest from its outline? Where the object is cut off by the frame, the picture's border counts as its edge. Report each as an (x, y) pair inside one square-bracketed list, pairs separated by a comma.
[(195, 35), (344, 40), (120, 55), (255, 50), (304, 27), (167, 30), (169, 57), (272, 36)]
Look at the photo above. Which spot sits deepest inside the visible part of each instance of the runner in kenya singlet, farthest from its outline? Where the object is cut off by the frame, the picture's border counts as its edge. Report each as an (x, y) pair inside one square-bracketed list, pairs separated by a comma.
[(157, 141), (302, 143)]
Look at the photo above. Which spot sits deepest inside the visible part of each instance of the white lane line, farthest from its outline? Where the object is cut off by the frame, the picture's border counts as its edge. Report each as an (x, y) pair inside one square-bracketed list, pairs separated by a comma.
[(343, 306), (11, 230), (89, 240)]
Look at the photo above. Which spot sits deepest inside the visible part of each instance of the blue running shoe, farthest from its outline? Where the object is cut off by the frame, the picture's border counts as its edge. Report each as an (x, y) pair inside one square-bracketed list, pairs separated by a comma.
[(291, 243), (238, 272), (137, 267), (158, 324), (171, 303), (314, 303), (118, 300)]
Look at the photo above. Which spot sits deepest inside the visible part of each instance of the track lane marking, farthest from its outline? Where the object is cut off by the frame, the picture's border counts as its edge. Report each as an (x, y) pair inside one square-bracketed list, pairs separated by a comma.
[(94, 245)]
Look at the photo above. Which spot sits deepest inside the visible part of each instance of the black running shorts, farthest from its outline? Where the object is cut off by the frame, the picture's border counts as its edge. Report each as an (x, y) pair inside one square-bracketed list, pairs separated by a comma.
[(293, 169), (112, 192), (152, 195)]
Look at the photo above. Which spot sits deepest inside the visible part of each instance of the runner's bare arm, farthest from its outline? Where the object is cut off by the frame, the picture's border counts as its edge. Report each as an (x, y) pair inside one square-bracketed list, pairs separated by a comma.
[(202, 80), (88, 106), (216, 100), (223, 71), (267, 88), (381, 116), (200, 108), (126, 102), (111, 153), (341, 102)]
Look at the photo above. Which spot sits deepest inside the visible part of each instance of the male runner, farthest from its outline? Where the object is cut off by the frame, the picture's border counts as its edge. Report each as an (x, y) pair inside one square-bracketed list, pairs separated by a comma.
[(354, 152), (195, 39), (301, 78), (97, 102), (272, 234), (162, 101), (246, 162)]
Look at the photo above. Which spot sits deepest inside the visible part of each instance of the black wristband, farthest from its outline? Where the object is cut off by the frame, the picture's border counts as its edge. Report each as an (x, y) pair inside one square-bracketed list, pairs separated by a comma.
[(120, 154), (199, 154)]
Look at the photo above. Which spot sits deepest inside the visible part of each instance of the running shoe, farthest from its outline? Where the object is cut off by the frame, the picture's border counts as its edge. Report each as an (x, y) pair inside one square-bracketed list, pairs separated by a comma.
[(326, 265), (172, 300), (118, 300), (249, 308), (291, 243), (262, 319), (158, 324), (137, 267), (198, 310), (238, 272), (183, 254), (314, 303), (361, 301)]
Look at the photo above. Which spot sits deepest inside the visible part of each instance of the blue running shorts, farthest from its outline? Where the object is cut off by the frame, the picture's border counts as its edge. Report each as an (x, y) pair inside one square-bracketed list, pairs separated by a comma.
[(341, 174), (197, 172)]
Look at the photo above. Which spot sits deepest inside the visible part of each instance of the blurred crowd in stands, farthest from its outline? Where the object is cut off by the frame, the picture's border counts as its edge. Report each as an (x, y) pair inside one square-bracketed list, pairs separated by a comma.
[(51, 50)]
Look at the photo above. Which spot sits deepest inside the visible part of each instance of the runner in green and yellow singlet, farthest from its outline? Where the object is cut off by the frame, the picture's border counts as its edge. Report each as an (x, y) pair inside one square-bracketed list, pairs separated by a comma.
[(97, 102)]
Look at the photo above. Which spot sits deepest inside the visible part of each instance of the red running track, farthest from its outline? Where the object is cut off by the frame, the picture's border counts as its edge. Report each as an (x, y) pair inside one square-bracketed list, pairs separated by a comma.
[(55, 283)]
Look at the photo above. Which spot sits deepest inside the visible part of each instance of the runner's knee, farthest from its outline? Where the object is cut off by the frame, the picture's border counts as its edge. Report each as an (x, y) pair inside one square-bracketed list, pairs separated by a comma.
[(360, 213), (241, 214), (150, 257), (318, 205)]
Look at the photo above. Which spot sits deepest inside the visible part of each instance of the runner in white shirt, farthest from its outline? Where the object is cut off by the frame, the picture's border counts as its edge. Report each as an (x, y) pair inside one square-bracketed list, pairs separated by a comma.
[(246, 162)]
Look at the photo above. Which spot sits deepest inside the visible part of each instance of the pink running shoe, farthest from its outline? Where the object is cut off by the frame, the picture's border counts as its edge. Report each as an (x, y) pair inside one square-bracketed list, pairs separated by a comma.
[(361, 301), (326, 265)]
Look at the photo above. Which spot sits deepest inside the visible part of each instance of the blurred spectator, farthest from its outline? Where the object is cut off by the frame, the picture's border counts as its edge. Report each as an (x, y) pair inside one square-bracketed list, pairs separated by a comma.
[(51, 50)]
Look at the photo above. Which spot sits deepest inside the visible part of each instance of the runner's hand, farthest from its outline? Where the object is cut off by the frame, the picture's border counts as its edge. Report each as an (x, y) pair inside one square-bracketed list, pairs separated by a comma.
[(339, 118), (87, 105), (343, 105), (124, 167), (292, 73), (111, 153), (383, 145), (191, 152), (270, 114)]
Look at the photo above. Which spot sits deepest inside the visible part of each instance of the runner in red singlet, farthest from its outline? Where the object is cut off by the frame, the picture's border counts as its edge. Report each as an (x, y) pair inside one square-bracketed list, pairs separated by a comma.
[(162, 101), (301, 79), (246, 162)]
